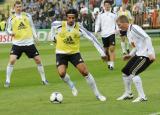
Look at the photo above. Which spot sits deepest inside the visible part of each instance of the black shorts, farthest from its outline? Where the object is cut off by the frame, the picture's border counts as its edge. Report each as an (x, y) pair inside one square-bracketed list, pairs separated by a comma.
[(108, 41), (123, 33), (30, 51), (63, 59), (136, 65)]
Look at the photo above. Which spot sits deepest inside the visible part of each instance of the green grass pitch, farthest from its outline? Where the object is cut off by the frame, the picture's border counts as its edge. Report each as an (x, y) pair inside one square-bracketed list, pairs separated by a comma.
[(27, 95)]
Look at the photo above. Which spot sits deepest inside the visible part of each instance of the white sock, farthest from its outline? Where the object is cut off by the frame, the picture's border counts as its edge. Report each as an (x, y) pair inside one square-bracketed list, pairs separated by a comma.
[(108, 63), (123, 47), (111, 63), (138, 83), (90, 80), (9, 72), (127, 83), (67, 80), (41, 71)]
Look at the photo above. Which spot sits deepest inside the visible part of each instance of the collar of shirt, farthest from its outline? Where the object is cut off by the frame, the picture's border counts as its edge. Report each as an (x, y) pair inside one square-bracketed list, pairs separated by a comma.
[(18, 15), (70, 28), (129, 27)]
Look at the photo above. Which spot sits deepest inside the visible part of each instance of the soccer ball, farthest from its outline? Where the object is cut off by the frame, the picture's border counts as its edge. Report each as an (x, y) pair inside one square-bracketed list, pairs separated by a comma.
[(56, 97)]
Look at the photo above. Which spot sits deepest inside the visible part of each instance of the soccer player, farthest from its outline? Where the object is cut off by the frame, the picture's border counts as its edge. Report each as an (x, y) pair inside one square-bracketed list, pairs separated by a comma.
[(141, 56), (21, 27), (2, 23), (123, 34), (106, 22), (67, 37)]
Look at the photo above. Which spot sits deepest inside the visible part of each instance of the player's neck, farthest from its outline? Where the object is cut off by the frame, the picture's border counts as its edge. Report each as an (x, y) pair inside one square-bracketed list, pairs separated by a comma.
[(69, 25), (18, 13)]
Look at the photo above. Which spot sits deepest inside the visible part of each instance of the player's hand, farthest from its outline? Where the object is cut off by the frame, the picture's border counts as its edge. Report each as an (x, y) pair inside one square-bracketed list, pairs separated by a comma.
[(126, 57), (12, 34), (151, 57)]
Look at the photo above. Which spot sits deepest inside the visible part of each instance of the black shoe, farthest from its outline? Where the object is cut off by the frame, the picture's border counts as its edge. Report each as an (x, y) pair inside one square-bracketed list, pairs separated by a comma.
[(111, 68)]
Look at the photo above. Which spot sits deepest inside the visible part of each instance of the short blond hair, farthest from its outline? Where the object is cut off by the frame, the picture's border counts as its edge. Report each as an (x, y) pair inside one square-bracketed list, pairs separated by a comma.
[(123, 19), (17, 2)]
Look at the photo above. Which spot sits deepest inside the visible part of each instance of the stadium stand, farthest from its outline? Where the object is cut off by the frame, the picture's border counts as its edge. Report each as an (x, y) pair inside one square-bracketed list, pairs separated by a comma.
[(44, 12)]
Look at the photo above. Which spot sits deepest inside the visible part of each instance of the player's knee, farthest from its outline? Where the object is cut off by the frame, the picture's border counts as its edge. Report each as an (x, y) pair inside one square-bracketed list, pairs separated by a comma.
[(37, 60), (12, 61), (112, 48), (84, 72), (62, 74)]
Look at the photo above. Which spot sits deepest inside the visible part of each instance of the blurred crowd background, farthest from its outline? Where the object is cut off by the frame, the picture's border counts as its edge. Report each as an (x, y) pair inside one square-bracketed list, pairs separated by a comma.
[(145, 13)]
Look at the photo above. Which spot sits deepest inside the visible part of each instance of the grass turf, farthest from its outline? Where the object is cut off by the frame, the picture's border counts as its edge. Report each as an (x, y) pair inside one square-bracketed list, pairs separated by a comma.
[(27, 95)]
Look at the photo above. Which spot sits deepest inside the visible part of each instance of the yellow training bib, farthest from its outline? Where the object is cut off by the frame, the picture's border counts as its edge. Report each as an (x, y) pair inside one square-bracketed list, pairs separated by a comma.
[(68, 41), (21, 27)]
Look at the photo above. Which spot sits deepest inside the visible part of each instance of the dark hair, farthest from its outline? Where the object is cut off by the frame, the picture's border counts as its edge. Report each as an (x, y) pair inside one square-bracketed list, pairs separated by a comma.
[(17, 2), (72, 11), (108, 1), (123, 19)]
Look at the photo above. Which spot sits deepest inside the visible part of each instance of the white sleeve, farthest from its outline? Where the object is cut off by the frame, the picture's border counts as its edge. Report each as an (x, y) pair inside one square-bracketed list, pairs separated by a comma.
[(54, 30), (32, 26), (93, 39), (9, 26), (116, 26), (150, 48), (143, 35), (148, 40), (129, 15), (98, 24)]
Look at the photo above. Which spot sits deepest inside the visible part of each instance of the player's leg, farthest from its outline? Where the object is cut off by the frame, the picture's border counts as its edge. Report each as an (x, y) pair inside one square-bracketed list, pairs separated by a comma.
[(106, 49), (139, 66), (90, 80), (15, 54), (32, 52), (62, 63), (78, 62), (9, 69), (105, 41), (112, 56), (40, 68), (127, 79), (111, 50)]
